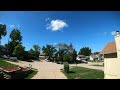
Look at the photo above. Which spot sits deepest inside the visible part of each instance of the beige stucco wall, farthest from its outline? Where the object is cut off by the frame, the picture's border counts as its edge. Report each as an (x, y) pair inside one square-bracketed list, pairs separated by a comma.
[(117, 40), (112, 68)]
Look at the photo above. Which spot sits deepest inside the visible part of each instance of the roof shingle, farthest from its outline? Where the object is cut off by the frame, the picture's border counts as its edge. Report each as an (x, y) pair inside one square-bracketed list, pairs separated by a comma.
[(109, 48)]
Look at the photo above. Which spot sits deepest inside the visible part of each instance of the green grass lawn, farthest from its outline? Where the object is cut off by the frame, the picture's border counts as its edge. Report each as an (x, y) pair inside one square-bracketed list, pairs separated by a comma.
[(31, 75), (84, 73), (3, 63), (99, 65)]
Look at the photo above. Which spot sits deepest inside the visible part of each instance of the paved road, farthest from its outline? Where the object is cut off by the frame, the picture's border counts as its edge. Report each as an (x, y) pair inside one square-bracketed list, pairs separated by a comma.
[(46, 70)]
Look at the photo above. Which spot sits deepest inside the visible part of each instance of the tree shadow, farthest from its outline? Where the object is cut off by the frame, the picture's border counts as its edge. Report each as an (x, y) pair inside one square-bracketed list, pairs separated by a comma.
[(71, 72)]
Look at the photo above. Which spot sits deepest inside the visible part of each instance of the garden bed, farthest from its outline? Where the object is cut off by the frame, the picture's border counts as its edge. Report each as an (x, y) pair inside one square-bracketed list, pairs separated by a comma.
[(14, 71)]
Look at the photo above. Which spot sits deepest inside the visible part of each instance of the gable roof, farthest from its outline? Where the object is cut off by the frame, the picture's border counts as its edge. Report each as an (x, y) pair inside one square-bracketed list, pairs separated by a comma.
[(109, 48)]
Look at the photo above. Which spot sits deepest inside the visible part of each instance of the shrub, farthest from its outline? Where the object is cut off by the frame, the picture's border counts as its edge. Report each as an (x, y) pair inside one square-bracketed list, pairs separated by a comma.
[(66, 67)]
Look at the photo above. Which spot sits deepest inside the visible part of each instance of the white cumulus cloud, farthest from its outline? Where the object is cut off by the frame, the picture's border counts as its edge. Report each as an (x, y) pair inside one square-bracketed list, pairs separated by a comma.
[(113, 33), (56, 25), (105, 33), (47, 19), (11, 26), (55, 43)]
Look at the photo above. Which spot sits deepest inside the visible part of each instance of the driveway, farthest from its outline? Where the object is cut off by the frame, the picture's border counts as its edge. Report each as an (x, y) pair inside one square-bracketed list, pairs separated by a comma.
[(46, 70), (50, 70)]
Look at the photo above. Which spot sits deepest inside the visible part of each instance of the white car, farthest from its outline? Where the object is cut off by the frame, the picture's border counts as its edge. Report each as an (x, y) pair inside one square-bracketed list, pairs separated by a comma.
[(13, 58), (47, 60), (6, 57), (84, 61)]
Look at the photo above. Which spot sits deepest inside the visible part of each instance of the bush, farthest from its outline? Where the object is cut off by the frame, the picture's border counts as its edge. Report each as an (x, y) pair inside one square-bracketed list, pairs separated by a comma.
[(66, 67)]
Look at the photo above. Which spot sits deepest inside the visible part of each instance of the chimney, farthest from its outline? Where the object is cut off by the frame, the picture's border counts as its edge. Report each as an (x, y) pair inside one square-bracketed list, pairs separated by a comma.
[(117, 41)]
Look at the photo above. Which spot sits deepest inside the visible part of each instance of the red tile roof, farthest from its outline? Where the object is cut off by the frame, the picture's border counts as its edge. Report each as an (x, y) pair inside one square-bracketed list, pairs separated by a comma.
[(109, 48)]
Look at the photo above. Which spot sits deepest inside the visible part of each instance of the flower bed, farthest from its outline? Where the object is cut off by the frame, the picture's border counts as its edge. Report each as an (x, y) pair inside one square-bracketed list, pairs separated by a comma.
[(10, 69), (17, 72)]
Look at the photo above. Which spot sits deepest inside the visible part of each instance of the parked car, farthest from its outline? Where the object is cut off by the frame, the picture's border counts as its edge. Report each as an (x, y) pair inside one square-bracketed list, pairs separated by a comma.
[(13, 58), (47, 60), (84, 61), (30, 60), (58, 62), (5, 56)]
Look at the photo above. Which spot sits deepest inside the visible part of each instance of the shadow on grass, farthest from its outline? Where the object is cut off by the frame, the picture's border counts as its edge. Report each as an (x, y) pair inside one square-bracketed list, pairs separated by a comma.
[(71, 72)]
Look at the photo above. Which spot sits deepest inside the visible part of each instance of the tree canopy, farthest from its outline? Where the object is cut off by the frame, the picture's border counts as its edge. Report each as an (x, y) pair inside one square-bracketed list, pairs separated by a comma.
[(85, 51), (3, 31), (15, 35), (49, 51), (19, 51)]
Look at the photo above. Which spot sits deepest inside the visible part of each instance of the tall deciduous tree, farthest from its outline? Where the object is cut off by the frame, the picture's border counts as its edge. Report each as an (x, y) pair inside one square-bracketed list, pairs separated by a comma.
[(16, 39), (49, 51), (36, 51), (85, 51), (3, 31), (19, 51), (16, 35)]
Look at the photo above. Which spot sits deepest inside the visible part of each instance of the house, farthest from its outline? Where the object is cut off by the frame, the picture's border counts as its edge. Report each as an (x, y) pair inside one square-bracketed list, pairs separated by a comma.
[(96, 57), (81, 57), (109, 51), (42, 56), (112, 58), (93, 57)]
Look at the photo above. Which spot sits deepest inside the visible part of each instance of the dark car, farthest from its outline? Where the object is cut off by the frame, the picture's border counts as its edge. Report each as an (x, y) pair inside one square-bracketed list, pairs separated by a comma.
[(58, 62), (30, 60)]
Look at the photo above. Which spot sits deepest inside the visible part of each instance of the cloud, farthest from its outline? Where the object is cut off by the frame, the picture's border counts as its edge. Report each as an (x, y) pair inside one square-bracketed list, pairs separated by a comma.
[(56, 25), (18, 25), (105, 33), (55, 43), (28, 43), (47, 19), (11, 26), (113, 33)]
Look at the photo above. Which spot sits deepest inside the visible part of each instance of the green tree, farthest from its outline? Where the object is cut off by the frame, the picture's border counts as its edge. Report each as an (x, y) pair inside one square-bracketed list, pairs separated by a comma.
[(31, 50), (36, 48), (10, 46), (66, 58), (61, 54), (70, 48), (60, 46), (56, 57), (19, 51), (15, 35), (85, 51), (36, 51), (49, 51), (15, 39), (73, 56), (3, 31)]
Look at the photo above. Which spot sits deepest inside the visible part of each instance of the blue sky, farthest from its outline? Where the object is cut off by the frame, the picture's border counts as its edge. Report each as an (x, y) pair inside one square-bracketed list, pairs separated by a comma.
[(81, 28)]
